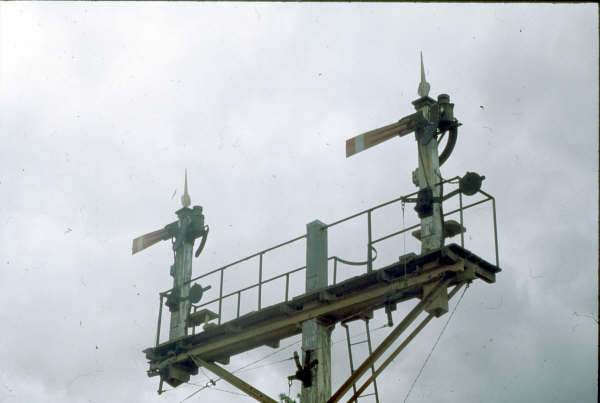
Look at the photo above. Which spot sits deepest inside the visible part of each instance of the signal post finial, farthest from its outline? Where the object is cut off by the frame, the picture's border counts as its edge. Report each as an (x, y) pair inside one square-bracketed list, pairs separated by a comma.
[(423, 90), (185, 198)]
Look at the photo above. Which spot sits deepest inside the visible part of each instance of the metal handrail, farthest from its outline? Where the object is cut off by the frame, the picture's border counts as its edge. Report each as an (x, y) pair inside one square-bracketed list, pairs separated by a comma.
[(262, 252), (336, 259), (286, 275), (386, 203), (250, 287)]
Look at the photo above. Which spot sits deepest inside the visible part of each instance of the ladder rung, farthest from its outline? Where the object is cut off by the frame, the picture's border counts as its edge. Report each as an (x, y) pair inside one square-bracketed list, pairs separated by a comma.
[(358, 342)]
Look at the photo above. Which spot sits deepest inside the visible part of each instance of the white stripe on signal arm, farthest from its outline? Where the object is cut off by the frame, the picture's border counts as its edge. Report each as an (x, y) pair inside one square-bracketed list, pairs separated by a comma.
[(371, 138), (359, 143)]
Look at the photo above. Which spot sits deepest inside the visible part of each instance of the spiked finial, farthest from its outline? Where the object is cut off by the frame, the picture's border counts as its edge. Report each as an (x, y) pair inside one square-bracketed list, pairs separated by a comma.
[(185, 198), (423, 90)]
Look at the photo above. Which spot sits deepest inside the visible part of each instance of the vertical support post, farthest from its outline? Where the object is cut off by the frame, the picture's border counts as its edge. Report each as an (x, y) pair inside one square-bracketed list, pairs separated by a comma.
[(160, 304), (195, 309), (316, 337), (260, 261), (462, 225), (372, 366), (335, 270), (182, 274), (428, 176), (370, 239), (221, 297), (495, 232), (350, 353)]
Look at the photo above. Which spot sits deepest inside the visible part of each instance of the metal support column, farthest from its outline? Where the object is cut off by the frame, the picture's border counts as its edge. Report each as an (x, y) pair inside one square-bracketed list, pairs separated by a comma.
[(159, 320), (182, 269), (316, 338), (428, 174), (182, 273)]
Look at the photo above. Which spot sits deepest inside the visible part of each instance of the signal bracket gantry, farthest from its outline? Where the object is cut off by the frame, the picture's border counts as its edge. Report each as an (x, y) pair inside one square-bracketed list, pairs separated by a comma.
[(427, 277)]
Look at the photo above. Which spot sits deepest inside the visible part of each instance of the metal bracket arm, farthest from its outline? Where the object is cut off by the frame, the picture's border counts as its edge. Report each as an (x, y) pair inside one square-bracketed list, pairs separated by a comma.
[(233, 380)]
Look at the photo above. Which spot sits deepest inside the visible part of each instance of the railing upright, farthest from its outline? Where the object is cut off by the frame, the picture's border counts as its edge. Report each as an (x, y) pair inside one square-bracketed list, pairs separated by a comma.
[(194, 327), (462, 234), (335, 270), (260, 265), (221, 297), (369, 251), (159, 319), (495, 232)]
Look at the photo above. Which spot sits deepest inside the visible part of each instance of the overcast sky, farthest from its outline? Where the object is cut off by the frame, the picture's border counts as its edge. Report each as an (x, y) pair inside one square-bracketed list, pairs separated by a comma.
[(103, 106)]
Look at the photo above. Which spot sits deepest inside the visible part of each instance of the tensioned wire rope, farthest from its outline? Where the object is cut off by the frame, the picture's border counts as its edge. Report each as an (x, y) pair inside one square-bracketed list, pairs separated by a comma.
[(435, 344), (212, 382)]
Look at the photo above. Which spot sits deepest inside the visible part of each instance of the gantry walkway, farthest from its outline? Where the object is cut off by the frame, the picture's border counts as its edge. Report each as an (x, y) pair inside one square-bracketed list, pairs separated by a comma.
[(357, 296), (410, 277)]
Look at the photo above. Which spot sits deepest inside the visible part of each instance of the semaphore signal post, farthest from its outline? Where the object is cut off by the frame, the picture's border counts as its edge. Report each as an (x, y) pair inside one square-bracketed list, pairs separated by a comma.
[(326, 302)]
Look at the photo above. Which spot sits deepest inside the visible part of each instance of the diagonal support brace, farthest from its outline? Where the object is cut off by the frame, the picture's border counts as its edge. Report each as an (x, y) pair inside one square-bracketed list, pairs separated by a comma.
[(387, 342), (411, 336), (233, 380)]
